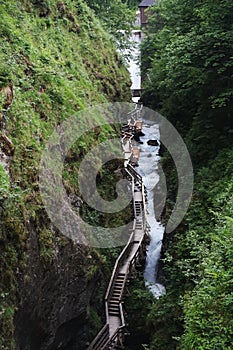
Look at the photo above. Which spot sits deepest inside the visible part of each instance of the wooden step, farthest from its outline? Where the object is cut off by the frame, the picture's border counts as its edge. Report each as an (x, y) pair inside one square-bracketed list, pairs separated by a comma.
[(114, 312), (117, 289), (119, 282), (119, 285), (116, 286), (120, 278), (116, 300), (113, 301)]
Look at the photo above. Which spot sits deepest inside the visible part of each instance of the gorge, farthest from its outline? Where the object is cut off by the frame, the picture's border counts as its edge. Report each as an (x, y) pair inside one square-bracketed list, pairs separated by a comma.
[(58, 58)]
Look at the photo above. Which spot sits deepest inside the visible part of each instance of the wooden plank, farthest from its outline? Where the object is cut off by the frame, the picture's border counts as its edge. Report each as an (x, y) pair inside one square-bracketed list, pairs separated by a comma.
[(138, 125), (130, 254)]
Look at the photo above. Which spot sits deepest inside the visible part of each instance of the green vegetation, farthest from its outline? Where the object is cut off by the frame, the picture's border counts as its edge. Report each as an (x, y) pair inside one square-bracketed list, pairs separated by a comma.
[(117, 16), (4, 183), (187, 67), (196, 311), (132, 3), (59, 60)]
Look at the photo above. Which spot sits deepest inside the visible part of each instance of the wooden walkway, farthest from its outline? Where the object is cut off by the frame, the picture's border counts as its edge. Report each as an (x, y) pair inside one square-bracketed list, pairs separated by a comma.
[(111, 336)]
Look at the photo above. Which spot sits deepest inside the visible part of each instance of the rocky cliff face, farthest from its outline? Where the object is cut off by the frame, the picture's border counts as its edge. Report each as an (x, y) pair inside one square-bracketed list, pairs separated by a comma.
[(56, 299), (57, 60)]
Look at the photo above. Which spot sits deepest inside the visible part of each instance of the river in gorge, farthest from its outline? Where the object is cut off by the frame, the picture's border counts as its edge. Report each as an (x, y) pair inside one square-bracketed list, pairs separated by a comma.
[(148, 169)]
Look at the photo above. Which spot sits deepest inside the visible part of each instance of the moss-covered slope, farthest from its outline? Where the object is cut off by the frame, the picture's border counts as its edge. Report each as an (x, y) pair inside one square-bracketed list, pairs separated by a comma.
[(55, 59)]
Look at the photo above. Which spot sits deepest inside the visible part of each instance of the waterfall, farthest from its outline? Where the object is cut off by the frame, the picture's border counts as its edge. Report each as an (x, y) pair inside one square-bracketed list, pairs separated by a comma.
[(148, 165)]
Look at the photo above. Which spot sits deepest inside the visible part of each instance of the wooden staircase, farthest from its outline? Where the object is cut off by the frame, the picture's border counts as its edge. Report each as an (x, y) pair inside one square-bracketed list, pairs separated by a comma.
[(111, 336)]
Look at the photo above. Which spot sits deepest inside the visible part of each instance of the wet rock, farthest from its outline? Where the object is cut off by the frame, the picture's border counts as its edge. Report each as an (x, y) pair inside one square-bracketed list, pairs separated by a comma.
[(141, 133), (162, 150), (137, 136), (75, 201), (8, 96), (153, 142), (6, 145)]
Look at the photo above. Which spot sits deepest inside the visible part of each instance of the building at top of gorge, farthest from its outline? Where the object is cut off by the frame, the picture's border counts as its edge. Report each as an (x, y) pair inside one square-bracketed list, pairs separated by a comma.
[(143, 6)]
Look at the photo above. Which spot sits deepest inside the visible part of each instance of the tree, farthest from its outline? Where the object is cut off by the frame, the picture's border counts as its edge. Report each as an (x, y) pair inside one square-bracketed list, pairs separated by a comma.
[(187, 72), (117, 19), (189, 67)]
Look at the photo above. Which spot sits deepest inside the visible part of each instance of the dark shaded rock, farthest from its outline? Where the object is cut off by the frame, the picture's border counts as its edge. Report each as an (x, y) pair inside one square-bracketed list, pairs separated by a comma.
[(141, 133), (162, 150), (55, 301), (153, 142), (137, 136)]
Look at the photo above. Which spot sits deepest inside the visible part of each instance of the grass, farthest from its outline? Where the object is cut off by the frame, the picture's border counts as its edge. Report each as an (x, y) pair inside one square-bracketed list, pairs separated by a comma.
[(59, 61)]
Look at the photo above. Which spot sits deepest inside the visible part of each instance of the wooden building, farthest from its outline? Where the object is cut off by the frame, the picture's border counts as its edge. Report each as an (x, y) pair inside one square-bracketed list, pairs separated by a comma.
[(143, 6)]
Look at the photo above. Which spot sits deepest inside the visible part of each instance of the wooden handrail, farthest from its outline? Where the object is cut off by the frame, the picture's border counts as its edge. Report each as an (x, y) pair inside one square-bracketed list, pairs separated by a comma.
[(115, 336), (133, 173), (116, 266), (103, 340)]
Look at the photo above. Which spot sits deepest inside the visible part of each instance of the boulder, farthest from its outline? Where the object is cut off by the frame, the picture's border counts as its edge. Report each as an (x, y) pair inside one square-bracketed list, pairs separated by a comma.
[(137, 136), (153, 142)]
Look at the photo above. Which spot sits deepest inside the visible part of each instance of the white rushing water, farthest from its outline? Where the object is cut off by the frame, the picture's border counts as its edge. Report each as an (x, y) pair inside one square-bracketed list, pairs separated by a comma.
[(148, 165), (134, 67)]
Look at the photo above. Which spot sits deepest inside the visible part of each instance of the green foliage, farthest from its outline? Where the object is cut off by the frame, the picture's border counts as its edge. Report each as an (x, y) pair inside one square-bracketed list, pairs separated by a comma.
[(187, 66), (209, 307), (5, 74), (137, 306), (132, 3), (196, 310), (95, 320), (6, 319), (59, 60), (117, 18), (4, 183)]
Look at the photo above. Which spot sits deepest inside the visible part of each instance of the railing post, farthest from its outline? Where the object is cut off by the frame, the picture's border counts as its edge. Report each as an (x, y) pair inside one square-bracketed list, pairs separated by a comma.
[(103, 341)]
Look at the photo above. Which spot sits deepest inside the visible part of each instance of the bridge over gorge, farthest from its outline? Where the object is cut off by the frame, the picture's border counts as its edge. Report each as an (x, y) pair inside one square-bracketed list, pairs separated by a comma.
[(111, 336)]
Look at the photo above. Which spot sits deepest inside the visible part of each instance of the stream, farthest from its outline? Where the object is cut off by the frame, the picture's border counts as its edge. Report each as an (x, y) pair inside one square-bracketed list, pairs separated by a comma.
[(148, 165)]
